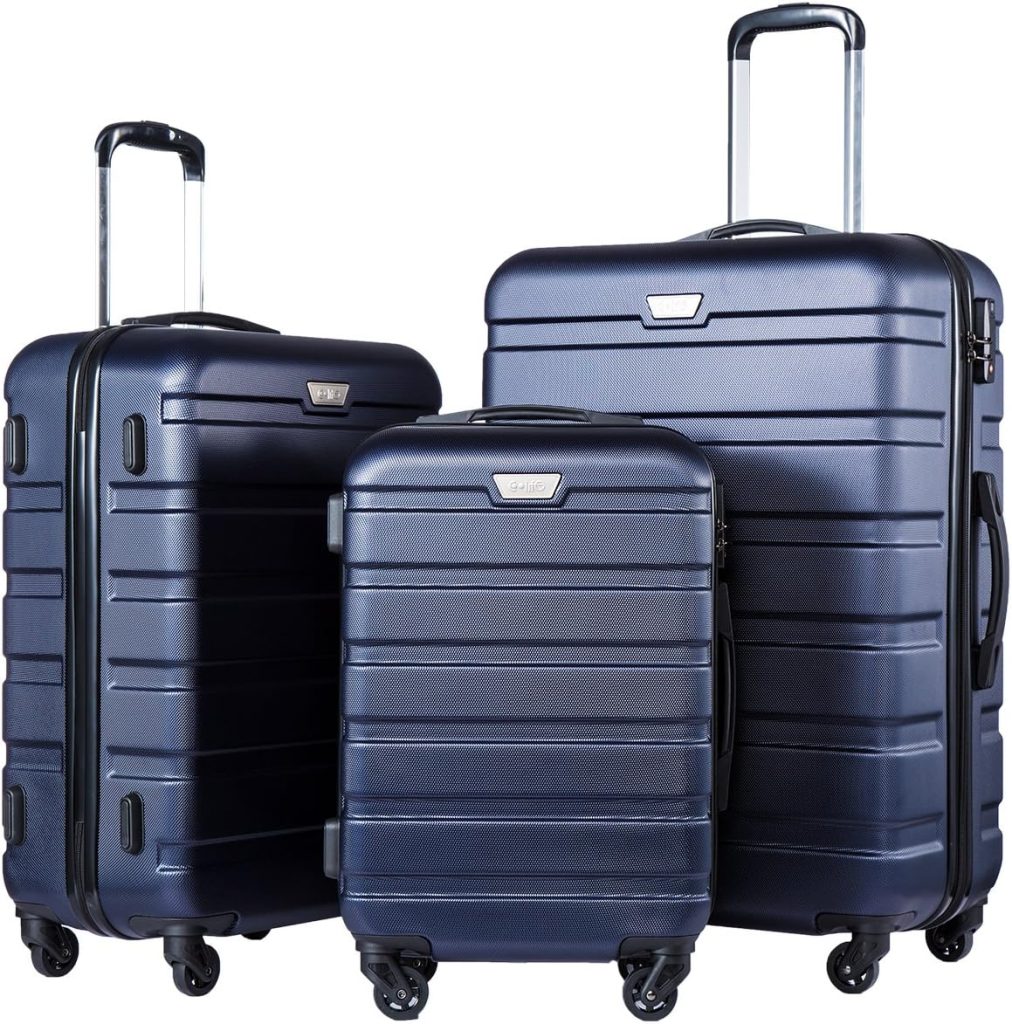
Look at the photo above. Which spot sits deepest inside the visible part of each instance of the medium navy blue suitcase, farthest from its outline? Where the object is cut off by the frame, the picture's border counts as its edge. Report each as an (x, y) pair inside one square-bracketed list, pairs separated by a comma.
[(171, 700), (847, 389), (532, 757)]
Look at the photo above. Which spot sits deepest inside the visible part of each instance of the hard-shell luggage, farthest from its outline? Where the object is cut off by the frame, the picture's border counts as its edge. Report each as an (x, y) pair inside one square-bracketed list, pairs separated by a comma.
[(171, 701), (533, 632), (847, 389)]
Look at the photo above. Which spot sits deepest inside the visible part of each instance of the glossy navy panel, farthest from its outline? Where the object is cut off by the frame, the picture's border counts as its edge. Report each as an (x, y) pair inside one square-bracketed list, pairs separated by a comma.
[(34, 626), (218, 690), (817, 377), (528, 691)]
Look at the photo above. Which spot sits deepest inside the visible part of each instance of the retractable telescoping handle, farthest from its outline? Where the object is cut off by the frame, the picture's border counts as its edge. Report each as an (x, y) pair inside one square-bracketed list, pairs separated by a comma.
[(789, 18), (152, 135)]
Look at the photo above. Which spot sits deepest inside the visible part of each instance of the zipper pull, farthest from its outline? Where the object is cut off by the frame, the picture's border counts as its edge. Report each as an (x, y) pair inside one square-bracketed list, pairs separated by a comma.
[(981, 348)]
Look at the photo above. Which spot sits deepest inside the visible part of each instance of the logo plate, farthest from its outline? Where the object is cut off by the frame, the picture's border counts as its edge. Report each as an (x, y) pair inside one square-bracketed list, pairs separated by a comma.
[(326, 393), (674, 307), (527, 486)]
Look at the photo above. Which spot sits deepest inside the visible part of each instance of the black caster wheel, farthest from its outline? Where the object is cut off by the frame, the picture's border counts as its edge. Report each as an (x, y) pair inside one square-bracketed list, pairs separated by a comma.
[(946, 948), (426, 967), (197, 983), (256, 936), (645, 1005), (837, 970), (48, 965), (404, 1005)]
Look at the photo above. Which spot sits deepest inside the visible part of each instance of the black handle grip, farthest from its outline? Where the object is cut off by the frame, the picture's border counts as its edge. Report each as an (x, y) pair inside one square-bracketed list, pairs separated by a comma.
[(989, 509), (792, 18), (754, 227), (152, 135), (727, 692), (200, 318), (499, 413)]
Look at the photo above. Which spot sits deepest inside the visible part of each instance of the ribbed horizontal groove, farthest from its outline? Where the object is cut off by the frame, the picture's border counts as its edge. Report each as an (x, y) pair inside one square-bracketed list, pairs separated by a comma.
[(821, 515), (41, 496), (793, 645), (35, 584), (851, 750), (519, 819), (240, 844), (557, 799), (34, 669), (546, 655), (598, 743), (540, 644), (464, 588), (583, 900), (686, 342), (519, 507), (828, 821), (32, 755), (160, 753), (211, 677), (818, 443), (267, 411), (505, 820), (744, 614), (514, 720), (465, 875), (834, 852), (833, 545), (220, 499), (541, 577), (792, 718), (164, 587)]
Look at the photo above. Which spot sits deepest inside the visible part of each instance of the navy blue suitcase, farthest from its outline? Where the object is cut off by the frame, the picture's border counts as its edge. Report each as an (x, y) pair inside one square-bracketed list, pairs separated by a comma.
[(531, 752), (847, 389), (171, 701)]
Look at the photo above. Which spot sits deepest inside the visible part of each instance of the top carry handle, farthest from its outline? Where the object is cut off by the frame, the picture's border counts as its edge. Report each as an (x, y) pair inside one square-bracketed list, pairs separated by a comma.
[(153, 135), (521, 413), (790, 18)]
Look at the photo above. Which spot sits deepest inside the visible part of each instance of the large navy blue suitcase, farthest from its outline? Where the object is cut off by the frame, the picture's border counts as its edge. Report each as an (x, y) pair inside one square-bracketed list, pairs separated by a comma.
[(847, 389), (531, 761), (171, 700)]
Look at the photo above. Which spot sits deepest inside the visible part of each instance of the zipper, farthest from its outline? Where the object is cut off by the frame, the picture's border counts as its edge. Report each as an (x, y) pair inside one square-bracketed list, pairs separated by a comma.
[(82, 763), (972, 360)]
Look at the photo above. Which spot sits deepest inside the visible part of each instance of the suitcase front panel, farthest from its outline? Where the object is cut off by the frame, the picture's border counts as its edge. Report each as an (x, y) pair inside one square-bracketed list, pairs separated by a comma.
[(219, 660), (528, 692), (817, 377)]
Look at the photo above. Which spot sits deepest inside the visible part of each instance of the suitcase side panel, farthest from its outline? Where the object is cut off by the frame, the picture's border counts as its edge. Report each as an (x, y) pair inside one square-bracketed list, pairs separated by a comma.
[(35, 608), (220, 616), (527, 762), (817, 379), (987, 740)]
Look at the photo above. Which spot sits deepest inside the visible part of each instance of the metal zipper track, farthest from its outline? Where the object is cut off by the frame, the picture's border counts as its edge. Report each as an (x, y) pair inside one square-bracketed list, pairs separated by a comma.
[(82, 630)]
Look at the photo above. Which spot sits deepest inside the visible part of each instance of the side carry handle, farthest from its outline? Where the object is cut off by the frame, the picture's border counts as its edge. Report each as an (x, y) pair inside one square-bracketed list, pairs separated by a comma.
[(727, 690), (504, 413), (164, 138), (790, 18), (201, 318), (988, 507)]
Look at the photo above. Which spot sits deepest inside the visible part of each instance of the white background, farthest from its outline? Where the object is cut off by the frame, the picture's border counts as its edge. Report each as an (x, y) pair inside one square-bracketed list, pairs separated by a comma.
[(369, 166)]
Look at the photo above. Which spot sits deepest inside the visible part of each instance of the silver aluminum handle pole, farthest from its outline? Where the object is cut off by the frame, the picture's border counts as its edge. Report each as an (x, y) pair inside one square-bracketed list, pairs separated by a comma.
[(792, 17), (152, 135)]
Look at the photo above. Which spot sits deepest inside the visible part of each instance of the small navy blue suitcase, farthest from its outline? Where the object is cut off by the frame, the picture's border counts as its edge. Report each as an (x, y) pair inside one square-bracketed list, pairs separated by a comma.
[(171, 701), (847, 389), (533, 635)]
